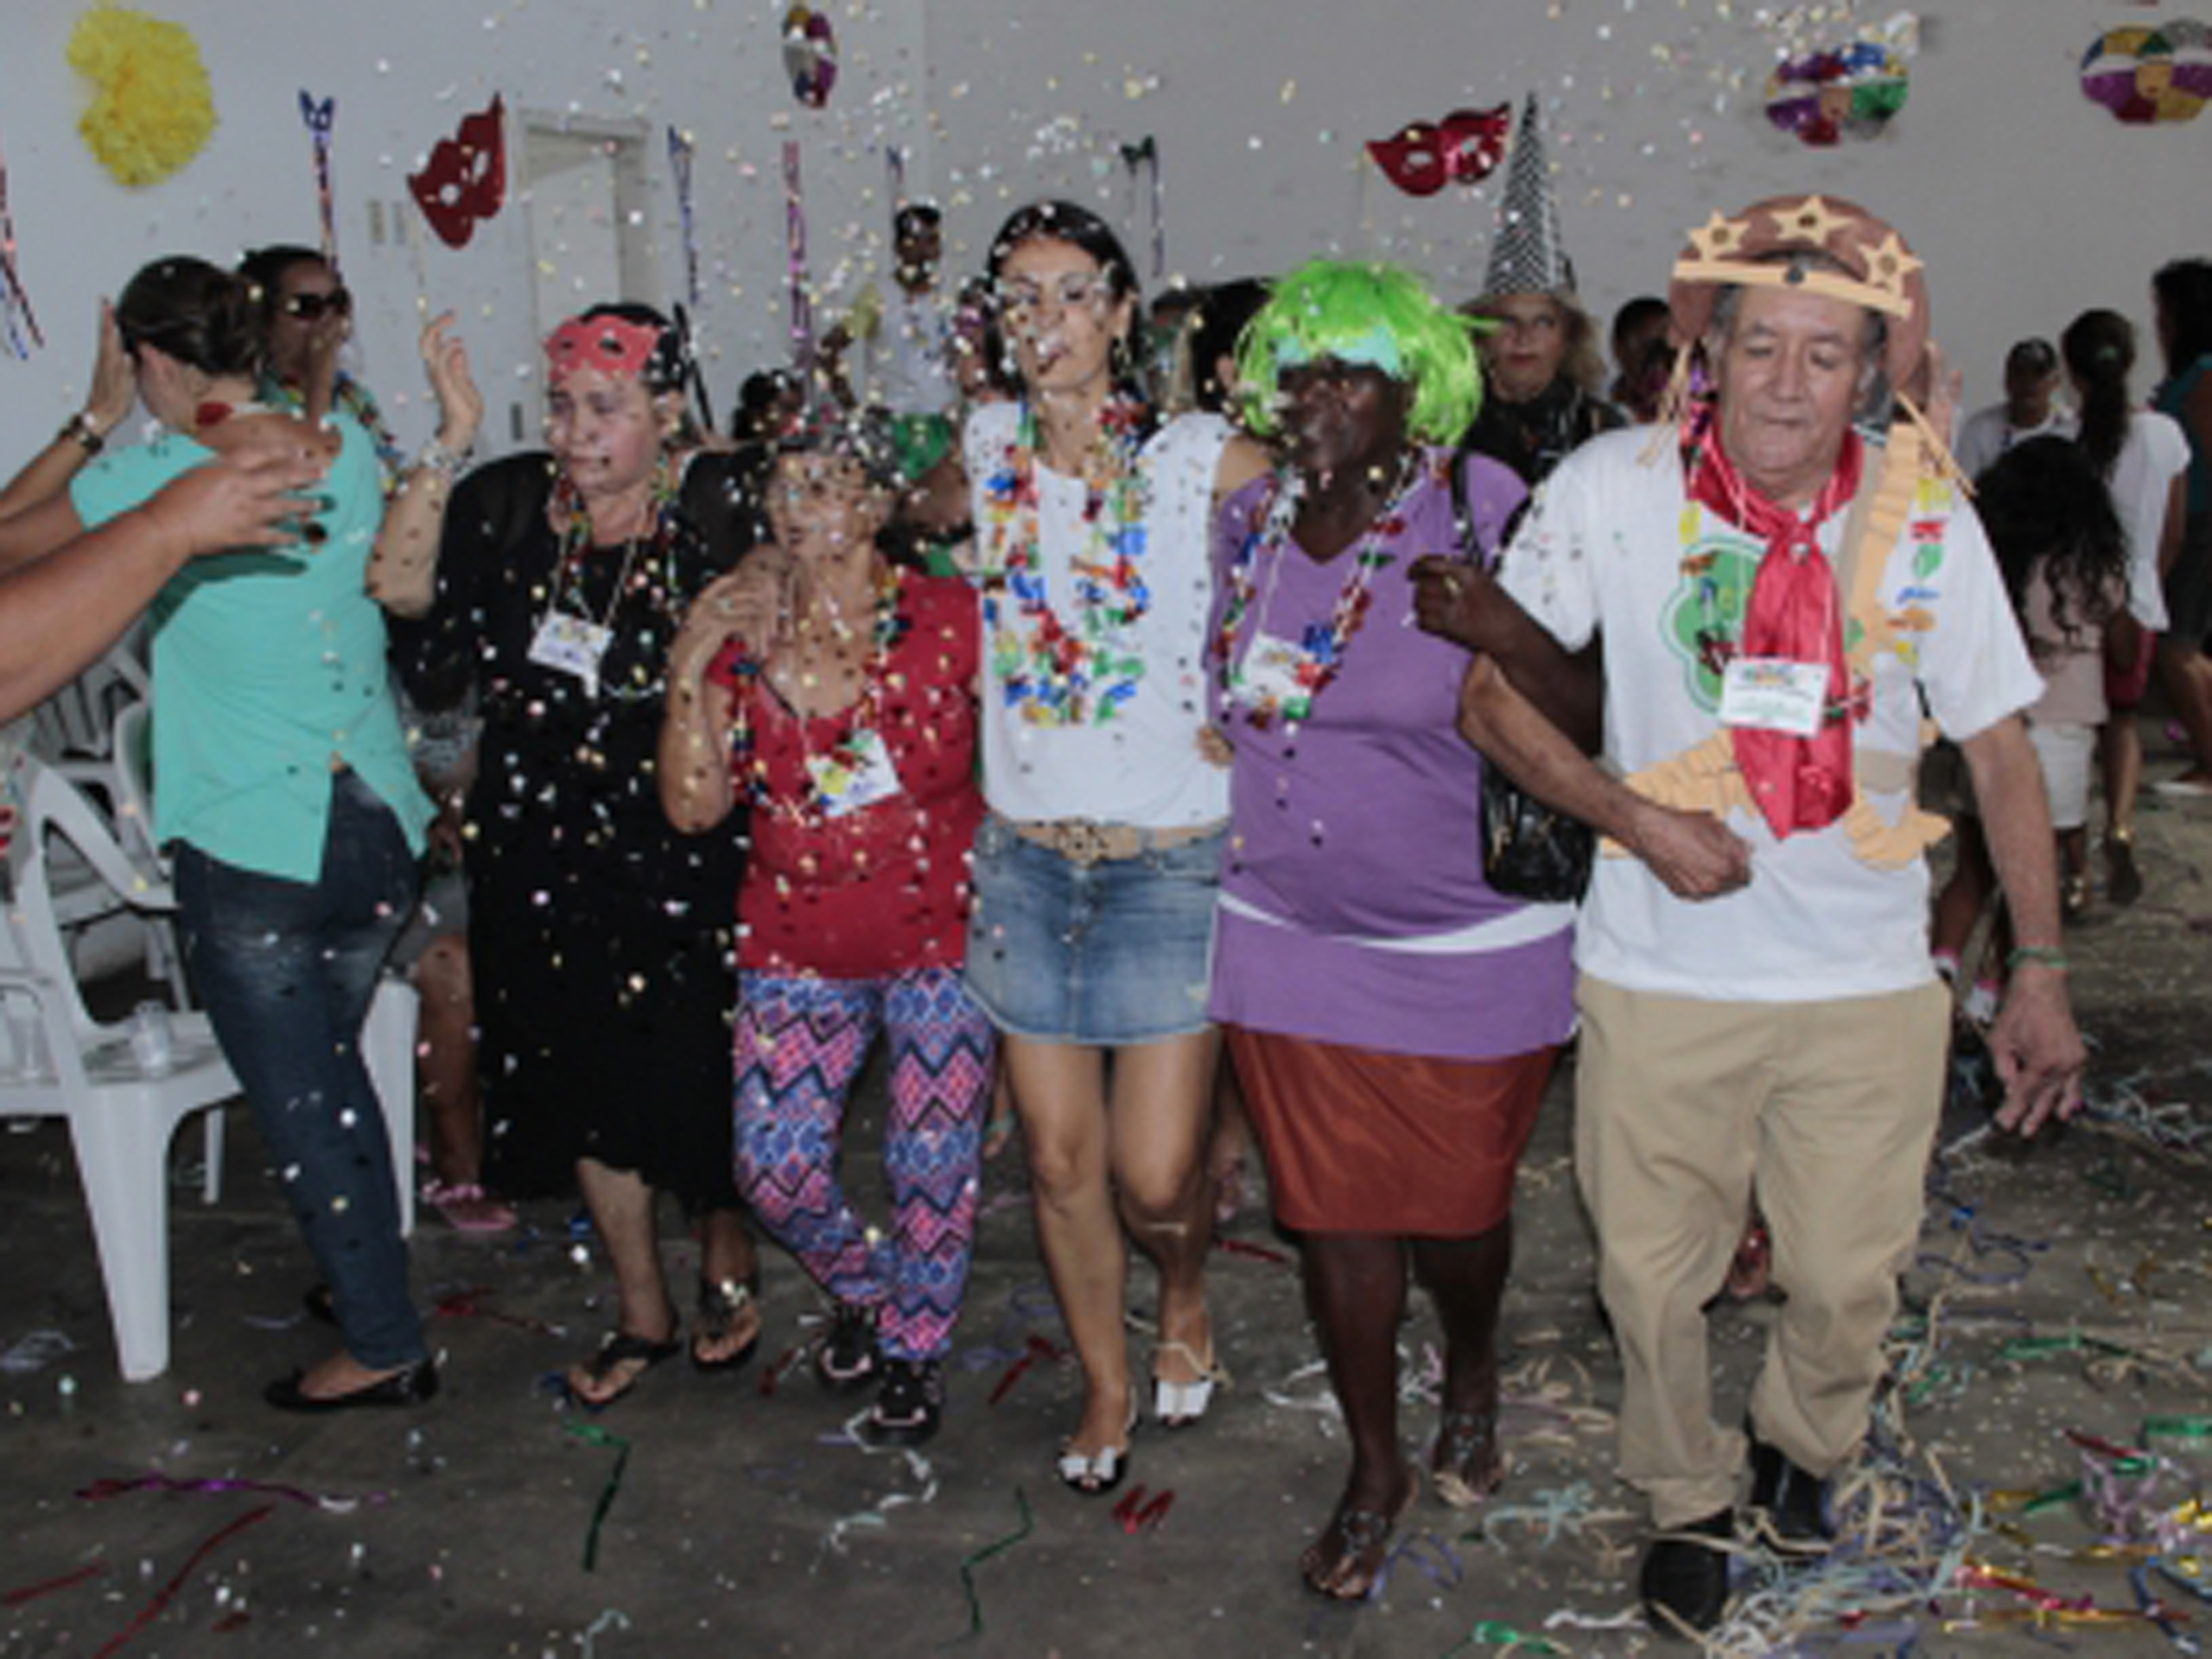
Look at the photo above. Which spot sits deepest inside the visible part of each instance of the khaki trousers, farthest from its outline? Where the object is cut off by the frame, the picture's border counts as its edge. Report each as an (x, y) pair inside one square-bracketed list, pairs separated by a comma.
[(1684, 1109)]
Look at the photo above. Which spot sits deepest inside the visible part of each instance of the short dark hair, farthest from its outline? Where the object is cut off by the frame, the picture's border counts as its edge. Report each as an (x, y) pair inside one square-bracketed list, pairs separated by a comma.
[(1218, 320), (2184, 289), (915, 215), (263, 270), (195, 312)]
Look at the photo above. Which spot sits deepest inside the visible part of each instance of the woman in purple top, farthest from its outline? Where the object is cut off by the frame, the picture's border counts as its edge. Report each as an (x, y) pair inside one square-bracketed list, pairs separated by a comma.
[(1393, 1019)]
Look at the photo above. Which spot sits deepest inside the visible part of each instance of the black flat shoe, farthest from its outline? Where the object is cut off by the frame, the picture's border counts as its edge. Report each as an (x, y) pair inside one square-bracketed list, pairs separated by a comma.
[(1790, 1498), (1685, 1578), (849, 1358), (410, 1387), (907, 1410)]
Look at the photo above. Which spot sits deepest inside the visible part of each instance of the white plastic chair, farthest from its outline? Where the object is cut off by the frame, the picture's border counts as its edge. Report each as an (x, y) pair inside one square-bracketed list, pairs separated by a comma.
[(63, 1062)]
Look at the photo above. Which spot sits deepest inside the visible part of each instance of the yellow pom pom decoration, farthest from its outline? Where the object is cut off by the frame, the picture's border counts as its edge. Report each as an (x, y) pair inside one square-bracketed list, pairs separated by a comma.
[(151, 112)]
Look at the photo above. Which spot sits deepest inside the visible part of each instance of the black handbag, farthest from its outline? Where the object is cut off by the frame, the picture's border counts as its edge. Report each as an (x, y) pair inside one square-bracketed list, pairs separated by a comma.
[(1530, 851)]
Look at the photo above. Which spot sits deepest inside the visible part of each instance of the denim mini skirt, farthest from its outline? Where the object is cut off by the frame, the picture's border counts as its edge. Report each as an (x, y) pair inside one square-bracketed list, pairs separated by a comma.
[(1110, 953)]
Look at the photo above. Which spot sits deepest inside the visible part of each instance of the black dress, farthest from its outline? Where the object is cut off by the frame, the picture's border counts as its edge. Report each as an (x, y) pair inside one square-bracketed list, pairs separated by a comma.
[(601, 940)]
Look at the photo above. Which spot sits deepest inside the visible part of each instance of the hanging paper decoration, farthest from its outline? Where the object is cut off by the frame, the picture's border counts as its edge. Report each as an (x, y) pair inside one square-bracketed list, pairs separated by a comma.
[(319, 119), (1852, 90), (795, 263), (465, 182), (1145, 152), (894, 166), (15, 300), (809, 55), (151, 111), (1423, 157), (2146, 75), (679, 162)]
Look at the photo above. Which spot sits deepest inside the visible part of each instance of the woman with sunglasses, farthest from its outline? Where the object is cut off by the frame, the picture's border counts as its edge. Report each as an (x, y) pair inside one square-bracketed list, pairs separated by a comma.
[(1095, 874), (307, 317), (600, 936), (286, 796)]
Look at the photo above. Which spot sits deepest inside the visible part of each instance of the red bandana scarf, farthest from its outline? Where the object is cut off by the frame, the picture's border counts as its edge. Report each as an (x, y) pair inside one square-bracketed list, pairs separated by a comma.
[(1795, 614)]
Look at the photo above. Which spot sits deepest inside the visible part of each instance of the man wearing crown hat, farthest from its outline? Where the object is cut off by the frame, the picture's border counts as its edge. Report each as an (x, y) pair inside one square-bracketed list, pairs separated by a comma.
[(1541, 367), (1777, 595)]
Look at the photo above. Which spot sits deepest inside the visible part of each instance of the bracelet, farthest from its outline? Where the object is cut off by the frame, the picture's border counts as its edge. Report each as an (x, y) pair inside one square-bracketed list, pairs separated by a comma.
[(2043, 955), (436, 457), (80, 426)]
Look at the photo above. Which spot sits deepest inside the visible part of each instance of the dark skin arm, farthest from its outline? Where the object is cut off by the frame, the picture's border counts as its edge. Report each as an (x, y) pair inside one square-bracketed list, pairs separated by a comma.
[(1456, 601)]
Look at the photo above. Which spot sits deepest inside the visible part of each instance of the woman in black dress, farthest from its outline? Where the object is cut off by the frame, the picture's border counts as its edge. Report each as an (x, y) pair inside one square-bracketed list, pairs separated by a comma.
[(600, 936)]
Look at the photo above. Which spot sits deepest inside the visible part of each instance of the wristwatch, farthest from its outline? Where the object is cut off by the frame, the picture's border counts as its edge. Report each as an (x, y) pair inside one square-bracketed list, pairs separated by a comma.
[(80, 426)]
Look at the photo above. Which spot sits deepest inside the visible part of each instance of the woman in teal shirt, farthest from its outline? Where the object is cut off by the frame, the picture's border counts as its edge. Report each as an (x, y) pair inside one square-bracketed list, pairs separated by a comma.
[(286, 796)]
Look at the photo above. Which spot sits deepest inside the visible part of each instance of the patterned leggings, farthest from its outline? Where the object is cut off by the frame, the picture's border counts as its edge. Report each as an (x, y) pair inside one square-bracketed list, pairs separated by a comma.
[(800, 1043)]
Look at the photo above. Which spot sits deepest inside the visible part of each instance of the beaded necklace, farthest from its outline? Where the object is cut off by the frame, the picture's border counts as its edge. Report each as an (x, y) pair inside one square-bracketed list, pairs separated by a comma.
[(1057, 672), (574, 516), (1322, 646), (810, 808)]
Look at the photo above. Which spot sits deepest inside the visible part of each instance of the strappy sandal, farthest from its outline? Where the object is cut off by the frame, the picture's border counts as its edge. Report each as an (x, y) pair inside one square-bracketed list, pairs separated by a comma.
[(1179, 1405), (616, 1350), (1465, 1465), (725, 1305), (1363, 1538)]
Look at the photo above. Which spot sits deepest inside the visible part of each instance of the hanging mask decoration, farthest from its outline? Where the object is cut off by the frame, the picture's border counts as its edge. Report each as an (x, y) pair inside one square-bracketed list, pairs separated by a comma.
[(2147, 76), (1830, 96), (809, 55), (1464, 148), (466, 180)]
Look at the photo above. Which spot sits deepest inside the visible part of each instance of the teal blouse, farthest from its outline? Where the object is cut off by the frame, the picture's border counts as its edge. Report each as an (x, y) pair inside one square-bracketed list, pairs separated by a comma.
[(268, 670)]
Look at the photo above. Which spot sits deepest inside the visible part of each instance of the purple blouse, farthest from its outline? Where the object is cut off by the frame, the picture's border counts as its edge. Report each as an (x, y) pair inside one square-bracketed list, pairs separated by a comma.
[(1353, 906)]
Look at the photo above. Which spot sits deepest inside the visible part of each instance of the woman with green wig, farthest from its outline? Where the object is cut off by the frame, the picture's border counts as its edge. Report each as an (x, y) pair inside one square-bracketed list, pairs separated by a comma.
[(1393, 1019)]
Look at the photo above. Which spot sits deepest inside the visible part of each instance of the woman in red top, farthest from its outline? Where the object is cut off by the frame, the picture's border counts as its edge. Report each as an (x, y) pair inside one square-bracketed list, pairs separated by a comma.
[(847, 684)]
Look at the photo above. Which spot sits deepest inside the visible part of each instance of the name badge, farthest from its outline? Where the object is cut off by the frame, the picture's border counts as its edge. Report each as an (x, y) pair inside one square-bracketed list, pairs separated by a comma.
[(571, 645), (1275, 674), (1773, 694), (857, 773)]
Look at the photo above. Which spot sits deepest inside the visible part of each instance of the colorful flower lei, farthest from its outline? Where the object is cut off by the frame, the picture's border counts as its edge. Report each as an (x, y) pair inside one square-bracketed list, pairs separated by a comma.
[(1322, 645), (1054, 672)]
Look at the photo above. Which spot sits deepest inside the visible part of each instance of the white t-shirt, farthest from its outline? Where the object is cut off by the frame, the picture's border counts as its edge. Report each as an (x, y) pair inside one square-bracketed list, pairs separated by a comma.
[(910, 355), (1987, 434), (2156, 453), (1137, 763), (1612, 546)]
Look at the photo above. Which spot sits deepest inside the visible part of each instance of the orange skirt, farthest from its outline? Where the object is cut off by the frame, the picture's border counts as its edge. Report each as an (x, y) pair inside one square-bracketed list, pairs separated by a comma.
[(1360, 1141)]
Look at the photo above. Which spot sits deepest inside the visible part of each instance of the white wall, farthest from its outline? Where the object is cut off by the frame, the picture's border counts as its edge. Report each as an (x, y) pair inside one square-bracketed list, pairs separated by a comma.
[(404, 72), (2028, 201)]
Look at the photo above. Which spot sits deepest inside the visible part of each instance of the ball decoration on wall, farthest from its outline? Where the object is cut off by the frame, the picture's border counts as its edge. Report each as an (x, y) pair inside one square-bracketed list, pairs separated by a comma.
[(1826, 96), (465, 182), (1423, 157), (809, 55), (2150, 75), (151, 111)]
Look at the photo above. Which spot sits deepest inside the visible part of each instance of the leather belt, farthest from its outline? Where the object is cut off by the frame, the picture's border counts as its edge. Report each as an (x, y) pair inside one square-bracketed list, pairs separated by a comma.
[(1085, 842)]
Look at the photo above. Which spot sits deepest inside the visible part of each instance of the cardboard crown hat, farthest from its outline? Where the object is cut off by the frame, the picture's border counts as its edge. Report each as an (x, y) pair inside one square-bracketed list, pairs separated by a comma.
[(1528, 255), (1746, 249)]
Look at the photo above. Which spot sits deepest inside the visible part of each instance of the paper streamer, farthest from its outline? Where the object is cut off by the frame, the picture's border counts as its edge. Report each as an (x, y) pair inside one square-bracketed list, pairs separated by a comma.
[(14, 301), (47, 1587), (679, 162), (329, 1502), (167, 1593), (1145, 154), (894, 166), (969, 1565), (593, 1435), (795, 263), (321, 118)]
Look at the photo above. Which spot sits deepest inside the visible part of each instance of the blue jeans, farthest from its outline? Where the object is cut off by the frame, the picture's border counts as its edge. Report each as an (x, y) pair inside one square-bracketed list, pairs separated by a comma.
[(286, 970)]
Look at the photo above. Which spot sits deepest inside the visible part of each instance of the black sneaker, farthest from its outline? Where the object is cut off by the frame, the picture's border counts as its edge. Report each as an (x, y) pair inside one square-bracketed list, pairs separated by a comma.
[(906, 1411), (847, 1358), (1685, 1581), (1791, 1498)]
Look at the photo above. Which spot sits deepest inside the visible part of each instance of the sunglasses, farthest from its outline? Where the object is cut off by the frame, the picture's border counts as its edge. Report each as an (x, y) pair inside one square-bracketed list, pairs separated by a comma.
[(313, 308), (1074, 289)]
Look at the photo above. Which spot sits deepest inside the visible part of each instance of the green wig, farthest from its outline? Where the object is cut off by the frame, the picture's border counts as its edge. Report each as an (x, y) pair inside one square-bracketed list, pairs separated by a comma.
[(1375, 315)]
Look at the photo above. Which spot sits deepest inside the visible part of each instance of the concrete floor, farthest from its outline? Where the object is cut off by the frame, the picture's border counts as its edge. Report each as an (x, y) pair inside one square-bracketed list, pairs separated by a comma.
[(745, 1522)]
